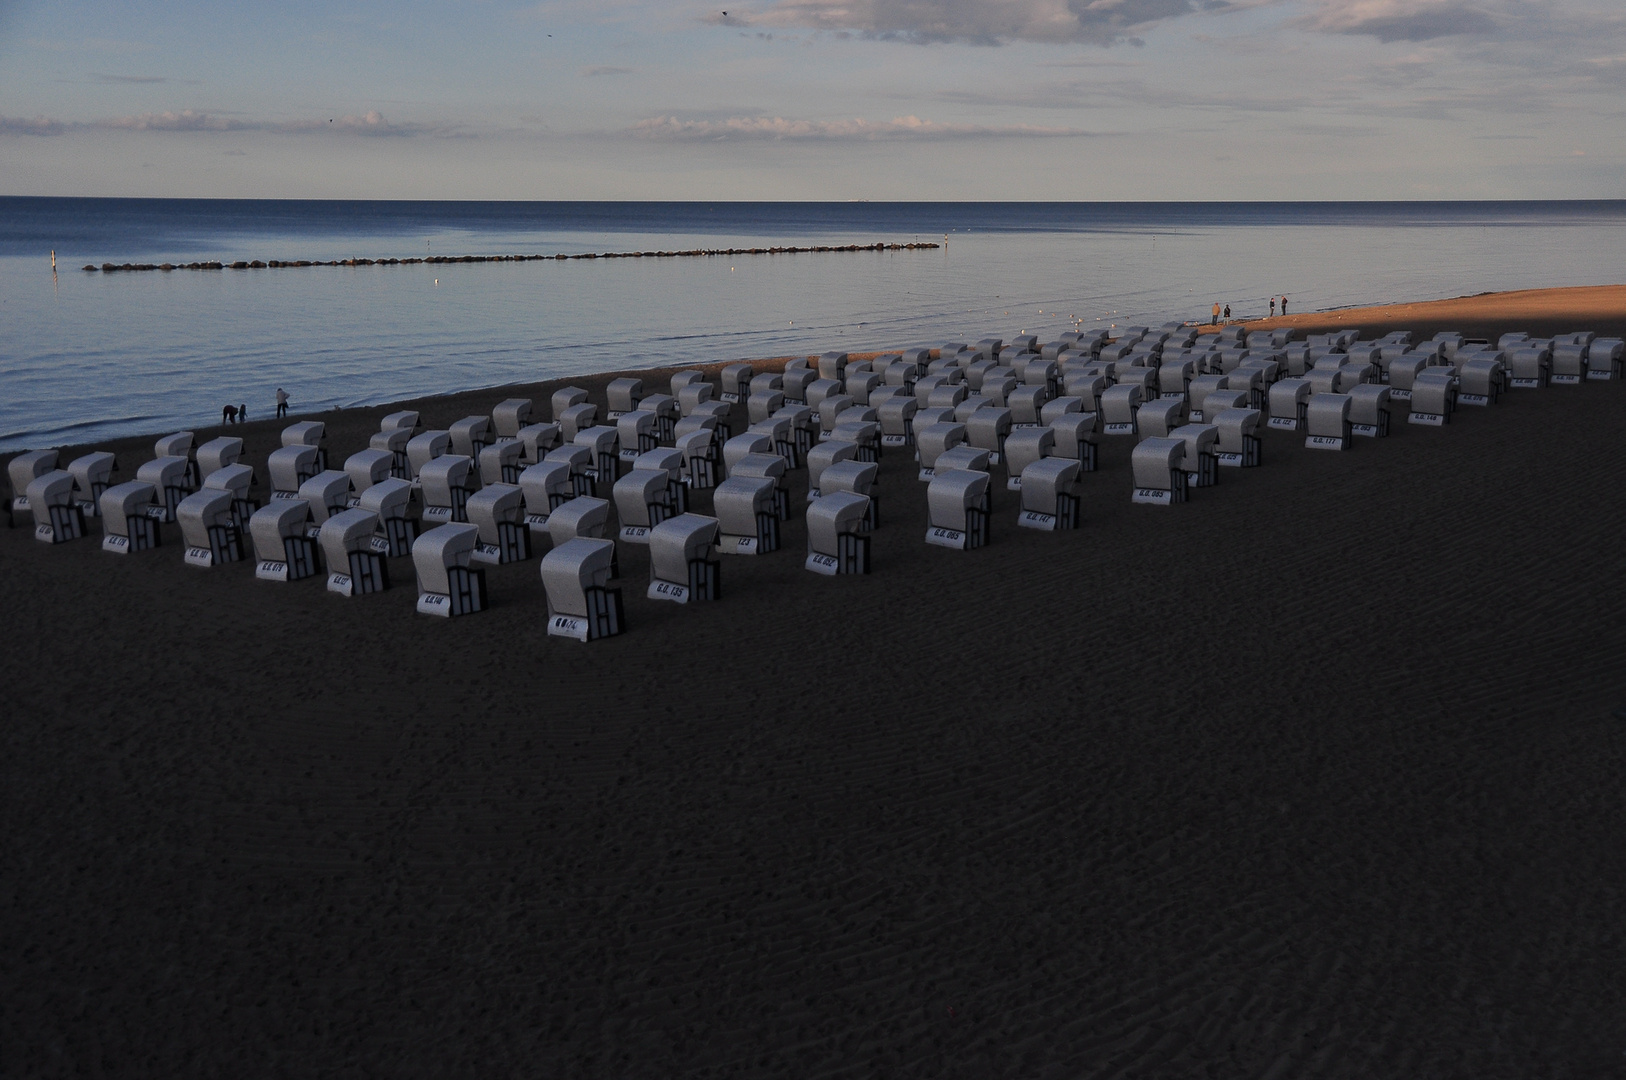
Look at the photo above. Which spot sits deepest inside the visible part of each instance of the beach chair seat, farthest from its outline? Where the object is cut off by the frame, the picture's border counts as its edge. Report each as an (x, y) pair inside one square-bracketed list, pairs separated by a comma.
[(1119, 406), (1369, 410), (622, 397), (239, 481), (1201, 461), (471, 435), (681, 567), (605, 463), (576, 578), (508, 417), (546, 486), (1529, 368), (1077, 435), (580, 460), (355, 566), (92, 473), (771, 466), (763, 404), (306, 433), (1026, 404), (1480, 382), (502, 462), (425, 447), (998, 389), (901, 373), (180, 444), (405, 420), (1023, 448), (1158, 467), (692, 395), (168, 476), (576, 418), (364, 469), (57, 517), (637, 432), (932, 441), (1160, 416), (643, 499), (665, 408), (957, 505), (328, 493), (446, 484), (394, 442), (747, 519), (388, 501), (1403, 374), (702, 457), (832, 365), (860, 385), (582, 516), (284, 549), (837, 540), (1050, 494), (1604, 358), (1174, 378), (23, 470), (734, 382), (209, 528), (290, 466), (793, 383), (1568, 364), (987, 429), (127, 524), (1327, 423), (1289, 401), (1433, 398), (217, 454), (781, 436), (447, 584), (1039, 371), (497, 511)]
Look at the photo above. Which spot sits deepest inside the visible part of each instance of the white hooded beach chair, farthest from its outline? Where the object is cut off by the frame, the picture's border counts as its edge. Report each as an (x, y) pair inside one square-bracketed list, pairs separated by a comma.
[(502, 462), (1327, 423), (127, 521), (836, 534), (290, 466), (735, 380), (217, 454), (57, 517), (1239, 444), (1529, 367), (701, 456), (1432, 399), (168, 476), (388, 501), (832, 365), (23, 470), (643, 499), (405, 420), (327, 492), (394, 442), (932, 441), (498, 512), (580, 460), (637, 432), (1568, 364), (547, 485), (180, 445), (1160, 416), (1289, 402), (239, 481), (669, 460), (1201, 461), (623, 396), (471, 435), (576, 577), (680, 564), (1050, 494), (1174, 378), (795, 380), (859, 427), (771, 466), (565, 397), (752, 442), (355, 567), (821, 457), (763, 404), (425, 447), (1027, 406), (896, 418), (605, 463), (683, 378), (284, 549), (92, 473), (447, 584), (366, 468), (1077, 435), (987, 429), (509, 416), (747, 518), (1158, 468), (1369, 410), (1403, 373), (1480, 382), (1022, 449), (1087, 388), (575, 419), (692, 395), (859, 385), (582, 516), (209, 529), (957, 505), (665, 408), (1604, 358), (308, 433), (857, 478), (445, 485), (1119, 405), (782, 435), (829, 409)]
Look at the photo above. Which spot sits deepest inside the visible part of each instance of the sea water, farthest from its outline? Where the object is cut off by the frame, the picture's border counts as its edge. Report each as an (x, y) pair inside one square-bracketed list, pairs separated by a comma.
[(90, 355)]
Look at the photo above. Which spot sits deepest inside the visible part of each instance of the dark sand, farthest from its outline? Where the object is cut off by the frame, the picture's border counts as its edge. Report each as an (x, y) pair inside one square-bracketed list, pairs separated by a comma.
[(1317, 775)]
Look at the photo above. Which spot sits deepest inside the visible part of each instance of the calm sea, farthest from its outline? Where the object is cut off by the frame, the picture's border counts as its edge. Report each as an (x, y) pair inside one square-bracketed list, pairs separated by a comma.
[(86, 356)]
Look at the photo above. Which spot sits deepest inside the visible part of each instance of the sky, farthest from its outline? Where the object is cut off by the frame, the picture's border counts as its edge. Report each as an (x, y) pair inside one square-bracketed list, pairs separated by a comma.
[(816, 99)]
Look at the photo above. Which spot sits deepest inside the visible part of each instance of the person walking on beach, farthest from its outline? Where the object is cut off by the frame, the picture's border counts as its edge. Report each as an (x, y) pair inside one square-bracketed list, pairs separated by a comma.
[(1215, 321), (1284, 305), (1272, 307), (282, 403)]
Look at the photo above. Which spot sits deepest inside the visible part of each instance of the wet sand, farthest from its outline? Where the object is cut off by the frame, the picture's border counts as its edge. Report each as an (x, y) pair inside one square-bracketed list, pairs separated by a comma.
[(1316, 775)]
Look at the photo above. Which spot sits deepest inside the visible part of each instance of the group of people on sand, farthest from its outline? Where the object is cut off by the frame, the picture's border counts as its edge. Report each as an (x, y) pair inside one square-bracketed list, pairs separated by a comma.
[(1273, 302), (237, 414)]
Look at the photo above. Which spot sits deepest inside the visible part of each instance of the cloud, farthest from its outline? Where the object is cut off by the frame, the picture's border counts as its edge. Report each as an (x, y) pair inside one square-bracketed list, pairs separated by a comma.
[(777, 129), (17, 125), (977, 22), (371, 123), (1401, 20), (99, 77), (185, 120), (604, 69)]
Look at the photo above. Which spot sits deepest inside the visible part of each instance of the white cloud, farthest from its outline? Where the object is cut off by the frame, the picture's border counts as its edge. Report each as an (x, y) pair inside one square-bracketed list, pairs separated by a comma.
[(39, 125), (764, 128), (1401, 20), (981, 22), (370, 124)]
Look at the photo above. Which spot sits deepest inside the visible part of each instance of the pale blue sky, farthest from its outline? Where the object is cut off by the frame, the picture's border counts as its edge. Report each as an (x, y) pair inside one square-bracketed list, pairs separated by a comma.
[(817, 99)]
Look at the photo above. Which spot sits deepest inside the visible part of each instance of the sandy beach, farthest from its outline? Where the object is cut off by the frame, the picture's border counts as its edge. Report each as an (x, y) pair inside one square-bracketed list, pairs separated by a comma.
[(1318, 775)]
